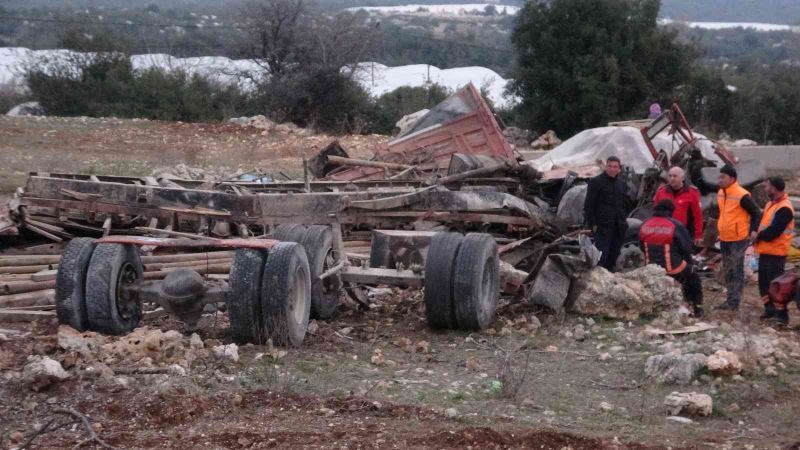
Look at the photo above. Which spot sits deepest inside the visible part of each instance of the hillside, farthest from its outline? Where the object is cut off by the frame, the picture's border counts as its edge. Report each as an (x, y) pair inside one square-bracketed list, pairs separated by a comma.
[(771, 11)]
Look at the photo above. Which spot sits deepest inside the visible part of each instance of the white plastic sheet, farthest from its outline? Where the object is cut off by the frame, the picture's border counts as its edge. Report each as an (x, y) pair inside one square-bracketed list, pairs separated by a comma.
[(627, 143)]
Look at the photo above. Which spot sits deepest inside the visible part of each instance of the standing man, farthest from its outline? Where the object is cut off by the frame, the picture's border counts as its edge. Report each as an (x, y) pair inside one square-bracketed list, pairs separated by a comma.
[(604, 212), (687, 203), (666, 242), (737, 226), (774, 239)]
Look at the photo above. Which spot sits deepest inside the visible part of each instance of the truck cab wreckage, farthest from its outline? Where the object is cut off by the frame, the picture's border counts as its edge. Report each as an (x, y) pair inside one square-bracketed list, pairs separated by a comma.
[(447, 205)]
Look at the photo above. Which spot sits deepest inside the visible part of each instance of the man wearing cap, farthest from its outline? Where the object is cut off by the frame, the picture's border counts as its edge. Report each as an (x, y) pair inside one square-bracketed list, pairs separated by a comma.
[(666, 242), (737, 226), (687, 203), (774, 239)]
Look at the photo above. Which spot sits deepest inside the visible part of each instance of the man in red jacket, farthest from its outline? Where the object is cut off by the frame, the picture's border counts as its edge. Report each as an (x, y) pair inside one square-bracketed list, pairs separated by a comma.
[(687, 203)]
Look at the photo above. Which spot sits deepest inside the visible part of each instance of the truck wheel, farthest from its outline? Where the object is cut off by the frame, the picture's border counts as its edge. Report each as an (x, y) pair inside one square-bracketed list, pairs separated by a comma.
[(318, 244), (289, 232), (71, 283), (477, 281), (243, 299), (108, 308), (439, 275), (286, 288)]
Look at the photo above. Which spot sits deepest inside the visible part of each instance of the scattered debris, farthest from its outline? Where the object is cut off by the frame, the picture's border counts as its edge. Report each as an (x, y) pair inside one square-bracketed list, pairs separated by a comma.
[(692, 404)]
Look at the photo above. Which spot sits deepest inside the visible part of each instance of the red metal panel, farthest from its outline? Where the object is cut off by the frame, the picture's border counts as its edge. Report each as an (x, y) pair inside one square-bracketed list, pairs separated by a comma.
[(474, 133)]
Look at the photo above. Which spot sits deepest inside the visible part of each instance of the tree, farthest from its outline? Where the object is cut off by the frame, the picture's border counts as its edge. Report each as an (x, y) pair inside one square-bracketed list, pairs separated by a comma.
[(310, 61), (582, 63)]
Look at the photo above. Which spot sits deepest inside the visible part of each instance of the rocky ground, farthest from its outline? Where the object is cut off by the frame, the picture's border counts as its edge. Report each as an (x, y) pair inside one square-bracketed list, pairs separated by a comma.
[(380, 378)]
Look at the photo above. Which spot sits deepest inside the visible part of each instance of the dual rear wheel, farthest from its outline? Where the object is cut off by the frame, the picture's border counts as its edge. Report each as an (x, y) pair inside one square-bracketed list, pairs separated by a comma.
[(462, 281)]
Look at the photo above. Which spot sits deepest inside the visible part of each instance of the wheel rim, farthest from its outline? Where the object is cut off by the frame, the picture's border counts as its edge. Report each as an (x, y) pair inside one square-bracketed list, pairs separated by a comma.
[(487, 282), (298, 296), (126, 304)]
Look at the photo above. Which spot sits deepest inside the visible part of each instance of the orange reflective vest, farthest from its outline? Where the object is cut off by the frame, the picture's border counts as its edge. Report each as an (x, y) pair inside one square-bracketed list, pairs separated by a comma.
[(779, 246), (734, 222)]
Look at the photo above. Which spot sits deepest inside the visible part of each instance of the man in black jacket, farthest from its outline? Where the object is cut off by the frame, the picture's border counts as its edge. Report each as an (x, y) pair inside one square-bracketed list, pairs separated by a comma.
[(667, 242), (604, 212)]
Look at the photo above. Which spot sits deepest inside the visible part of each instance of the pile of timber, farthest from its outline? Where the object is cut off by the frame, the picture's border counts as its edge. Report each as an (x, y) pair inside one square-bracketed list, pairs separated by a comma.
[(27, 282)]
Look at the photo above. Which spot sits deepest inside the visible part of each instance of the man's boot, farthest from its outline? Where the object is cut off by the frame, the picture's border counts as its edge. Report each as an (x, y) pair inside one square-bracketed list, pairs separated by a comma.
[(782, 316), (698, 311), (769, 309)]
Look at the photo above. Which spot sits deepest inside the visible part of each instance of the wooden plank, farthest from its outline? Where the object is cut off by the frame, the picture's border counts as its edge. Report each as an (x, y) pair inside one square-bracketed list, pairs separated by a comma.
[(19, 287), (155, 314), (373, 276), (47, 296), (19, 315), (697, 328), (44, 275), (35, 308), (28, 260), (179, 257), (27, 269)]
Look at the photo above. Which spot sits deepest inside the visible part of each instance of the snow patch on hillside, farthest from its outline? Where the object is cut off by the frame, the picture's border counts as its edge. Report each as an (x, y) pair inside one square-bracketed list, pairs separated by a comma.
[(377, 78), (463, 9), (380, 79)]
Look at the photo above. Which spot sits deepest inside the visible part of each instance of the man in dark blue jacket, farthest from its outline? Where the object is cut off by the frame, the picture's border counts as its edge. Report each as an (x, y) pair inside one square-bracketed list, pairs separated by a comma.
[(604, 212), (667, 242)]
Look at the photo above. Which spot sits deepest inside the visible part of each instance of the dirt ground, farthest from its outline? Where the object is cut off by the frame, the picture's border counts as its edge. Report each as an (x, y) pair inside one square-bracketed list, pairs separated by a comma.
[(138, 147), (378, 378)]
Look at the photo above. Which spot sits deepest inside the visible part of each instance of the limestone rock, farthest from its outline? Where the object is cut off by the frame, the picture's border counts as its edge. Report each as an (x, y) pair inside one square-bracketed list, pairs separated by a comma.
[(87, 344), (195, 342), (645, 290), (691, 404), (229, 352), (40, 372), (724, 363), (674, 367), (27, 109), (547, 141)]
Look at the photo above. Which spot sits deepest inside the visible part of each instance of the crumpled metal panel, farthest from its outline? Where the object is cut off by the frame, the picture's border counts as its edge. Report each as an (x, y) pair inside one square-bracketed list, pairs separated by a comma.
[(463, 123)]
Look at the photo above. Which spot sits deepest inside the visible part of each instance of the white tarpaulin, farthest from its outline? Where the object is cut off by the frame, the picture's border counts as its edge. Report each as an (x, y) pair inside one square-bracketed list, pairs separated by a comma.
[(627, 143)]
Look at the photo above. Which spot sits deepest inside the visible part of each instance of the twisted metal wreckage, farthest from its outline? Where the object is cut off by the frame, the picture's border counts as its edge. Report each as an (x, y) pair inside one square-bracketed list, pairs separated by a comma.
[(396, 219)]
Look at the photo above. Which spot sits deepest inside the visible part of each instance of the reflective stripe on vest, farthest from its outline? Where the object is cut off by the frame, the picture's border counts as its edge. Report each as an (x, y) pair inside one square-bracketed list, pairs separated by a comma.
[(780, 245), (734, 222)]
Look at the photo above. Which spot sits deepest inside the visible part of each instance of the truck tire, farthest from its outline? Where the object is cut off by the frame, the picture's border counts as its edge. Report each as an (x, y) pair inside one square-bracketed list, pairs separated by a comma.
[(439, 276), (71, 283), (286, 288), (243, 299), (318, 244), (107, 308), (289, 232), (477, 281)]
